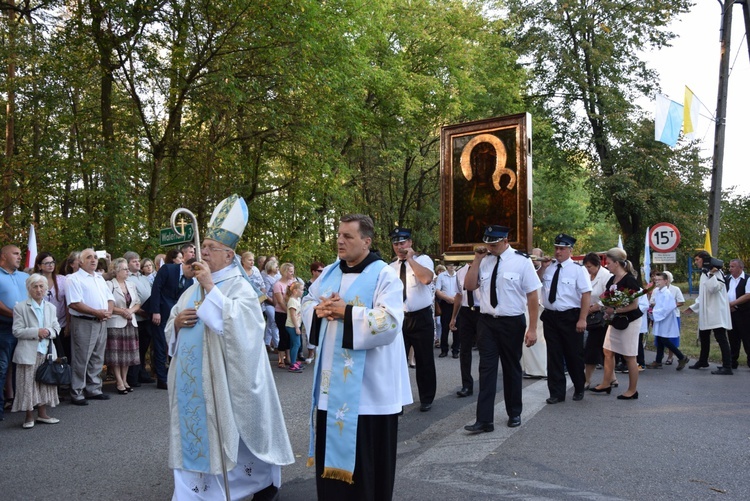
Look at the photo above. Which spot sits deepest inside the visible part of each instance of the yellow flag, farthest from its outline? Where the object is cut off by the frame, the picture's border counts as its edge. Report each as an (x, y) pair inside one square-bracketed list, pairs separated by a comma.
[(707, 243), (691, 113)]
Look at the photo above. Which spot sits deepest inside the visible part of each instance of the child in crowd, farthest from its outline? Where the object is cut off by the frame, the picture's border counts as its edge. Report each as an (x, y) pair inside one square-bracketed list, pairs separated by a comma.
[(293, 323), (666, 326)]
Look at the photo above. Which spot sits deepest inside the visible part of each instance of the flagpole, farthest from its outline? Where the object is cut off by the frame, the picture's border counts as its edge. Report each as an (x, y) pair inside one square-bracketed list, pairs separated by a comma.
[(714, 202)]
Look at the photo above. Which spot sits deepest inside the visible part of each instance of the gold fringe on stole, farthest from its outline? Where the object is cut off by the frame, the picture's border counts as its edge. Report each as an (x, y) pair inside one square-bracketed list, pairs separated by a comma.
[(310, 461), (338, 474)]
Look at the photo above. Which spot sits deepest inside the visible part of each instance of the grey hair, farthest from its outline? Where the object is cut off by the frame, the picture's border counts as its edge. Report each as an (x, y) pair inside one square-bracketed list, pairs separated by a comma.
[(34, 279)]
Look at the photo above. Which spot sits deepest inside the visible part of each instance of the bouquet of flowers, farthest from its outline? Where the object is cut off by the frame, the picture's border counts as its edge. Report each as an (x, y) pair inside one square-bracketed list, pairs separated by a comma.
[(616, 298)]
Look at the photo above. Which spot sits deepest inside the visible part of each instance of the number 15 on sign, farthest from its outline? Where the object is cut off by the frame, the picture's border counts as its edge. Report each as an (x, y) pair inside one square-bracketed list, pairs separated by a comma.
[(664, 237)]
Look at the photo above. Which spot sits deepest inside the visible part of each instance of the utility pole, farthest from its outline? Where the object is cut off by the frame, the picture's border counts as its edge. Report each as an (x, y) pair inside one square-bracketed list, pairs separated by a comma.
[(714, 202)]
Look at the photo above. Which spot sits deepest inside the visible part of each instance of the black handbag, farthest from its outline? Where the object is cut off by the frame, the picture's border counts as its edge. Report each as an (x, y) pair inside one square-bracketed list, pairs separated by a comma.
[(620, 322), (53, 372), (595, 320)]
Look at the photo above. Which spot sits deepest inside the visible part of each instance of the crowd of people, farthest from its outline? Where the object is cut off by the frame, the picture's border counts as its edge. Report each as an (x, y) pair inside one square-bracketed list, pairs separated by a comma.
[(358, 320)]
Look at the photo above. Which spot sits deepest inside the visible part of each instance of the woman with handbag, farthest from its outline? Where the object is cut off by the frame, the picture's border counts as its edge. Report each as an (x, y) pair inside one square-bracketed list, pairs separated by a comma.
[(595, 326), (622, 333), (35, 325), (122, 329)]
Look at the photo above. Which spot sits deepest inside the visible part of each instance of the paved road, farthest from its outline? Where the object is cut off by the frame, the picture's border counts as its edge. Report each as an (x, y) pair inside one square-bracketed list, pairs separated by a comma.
[(685, 438)]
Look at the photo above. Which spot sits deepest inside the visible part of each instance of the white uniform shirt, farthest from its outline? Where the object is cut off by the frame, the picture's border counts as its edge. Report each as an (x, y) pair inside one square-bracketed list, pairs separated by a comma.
[(460, 279), (572, 283), (418, 295), (516, 277), (89, 289), (446, 284)]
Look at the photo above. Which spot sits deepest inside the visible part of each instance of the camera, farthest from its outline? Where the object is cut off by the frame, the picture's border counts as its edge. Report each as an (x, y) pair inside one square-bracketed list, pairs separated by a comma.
[(712, 263)]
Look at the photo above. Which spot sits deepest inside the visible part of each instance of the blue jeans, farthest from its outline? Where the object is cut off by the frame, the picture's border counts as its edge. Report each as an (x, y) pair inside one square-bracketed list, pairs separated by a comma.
[(8, 344), (294, 344)]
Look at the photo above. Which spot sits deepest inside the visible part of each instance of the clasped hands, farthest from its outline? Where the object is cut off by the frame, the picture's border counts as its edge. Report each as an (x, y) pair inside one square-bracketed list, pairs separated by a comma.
[(331, 308)]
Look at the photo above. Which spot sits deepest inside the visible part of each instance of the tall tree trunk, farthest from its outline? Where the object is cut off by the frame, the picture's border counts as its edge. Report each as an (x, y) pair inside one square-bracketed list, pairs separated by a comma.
[(10, 112)]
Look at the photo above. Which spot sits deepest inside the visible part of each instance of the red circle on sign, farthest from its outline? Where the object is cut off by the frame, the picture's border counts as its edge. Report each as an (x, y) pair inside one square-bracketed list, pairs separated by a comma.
[(664, 237)]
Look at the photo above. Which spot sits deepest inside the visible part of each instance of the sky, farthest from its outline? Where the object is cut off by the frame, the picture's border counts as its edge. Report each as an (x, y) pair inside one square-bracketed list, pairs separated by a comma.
[(693, 60)]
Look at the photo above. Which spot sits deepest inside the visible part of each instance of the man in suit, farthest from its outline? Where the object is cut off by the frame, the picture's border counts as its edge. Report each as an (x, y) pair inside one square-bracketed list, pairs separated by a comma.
[(170, 282), (12, 291), (739, 305)]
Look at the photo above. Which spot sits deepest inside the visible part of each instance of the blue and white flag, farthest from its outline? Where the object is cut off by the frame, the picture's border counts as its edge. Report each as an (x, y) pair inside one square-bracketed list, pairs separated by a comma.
[(668, 122)]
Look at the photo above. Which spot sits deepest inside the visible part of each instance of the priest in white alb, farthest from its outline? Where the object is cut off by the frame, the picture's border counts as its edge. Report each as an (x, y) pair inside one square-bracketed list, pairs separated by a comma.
[(353, 314), (225, 414)]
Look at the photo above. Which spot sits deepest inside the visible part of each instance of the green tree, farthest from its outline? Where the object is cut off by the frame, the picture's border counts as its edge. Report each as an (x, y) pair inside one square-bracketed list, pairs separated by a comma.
[(584, 55)]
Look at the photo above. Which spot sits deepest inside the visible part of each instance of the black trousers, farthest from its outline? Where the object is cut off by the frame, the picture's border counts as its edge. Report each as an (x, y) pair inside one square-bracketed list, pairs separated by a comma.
[(593, 352), (138, 372), (500, 338), (739, 336), (564, 348), (374, 466), (466, 322), (418, 333), (446, 312), (721, 337)]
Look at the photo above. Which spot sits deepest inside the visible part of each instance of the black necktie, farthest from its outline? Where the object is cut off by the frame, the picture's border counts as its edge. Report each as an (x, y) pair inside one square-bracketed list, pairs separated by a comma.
[(182, 282), (470, 295), (553, 287), (402, 276), (493, 284)]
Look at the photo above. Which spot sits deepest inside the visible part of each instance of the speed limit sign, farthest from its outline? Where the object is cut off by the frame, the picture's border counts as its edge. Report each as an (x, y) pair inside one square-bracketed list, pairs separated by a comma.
[(664, 237)]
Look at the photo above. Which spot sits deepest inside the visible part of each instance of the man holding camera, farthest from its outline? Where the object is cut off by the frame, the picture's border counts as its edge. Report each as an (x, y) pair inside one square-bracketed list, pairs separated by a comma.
[(712, 307)]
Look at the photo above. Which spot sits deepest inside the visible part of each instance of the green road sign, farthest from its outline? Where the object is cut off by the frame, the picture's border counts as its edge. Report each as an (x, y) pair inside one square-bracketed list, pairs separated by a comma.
[(167, 236)]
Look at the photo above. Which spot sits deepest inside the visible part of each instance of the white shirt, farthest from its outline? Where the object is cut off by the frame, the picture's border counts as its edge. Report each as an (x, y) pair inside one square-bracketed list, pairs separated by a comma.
[(572, 283), (516, 277), (733, 283), (89, 289), (599, 283), (460, 279), (446, 284), (418, 295)]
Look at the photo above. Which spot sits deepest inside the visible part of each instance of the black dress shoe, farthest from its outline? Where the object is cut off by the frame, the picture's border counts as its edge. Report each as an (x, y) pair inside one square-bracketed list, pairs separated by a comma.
[(555, 400), (480, 427), (443, 355), (634, 396), (722, 371), (698, 365), (514, 422), (464, 392), (100, 396), (80, 401), (455, 355), (577, 397), (425, 407), (161, 385)]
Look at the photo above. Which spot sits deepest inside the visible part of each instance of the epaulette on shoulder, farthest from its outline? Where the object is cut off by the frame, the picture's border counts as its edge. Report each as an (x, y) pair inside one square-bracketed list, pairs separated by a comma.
[(523, 254)]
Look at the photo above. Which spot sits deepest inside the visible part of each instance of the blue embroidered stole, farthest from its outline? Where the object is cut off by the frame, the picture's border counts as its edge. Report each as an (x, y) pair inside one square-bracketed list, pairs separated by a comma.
[(191, 406), (347, 370)]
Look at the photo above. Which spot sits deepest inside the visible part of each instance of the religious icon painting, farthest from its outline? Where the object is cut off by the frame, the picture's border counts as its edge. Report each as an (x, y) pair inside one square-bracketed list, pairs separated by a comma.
[(485, 169)]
